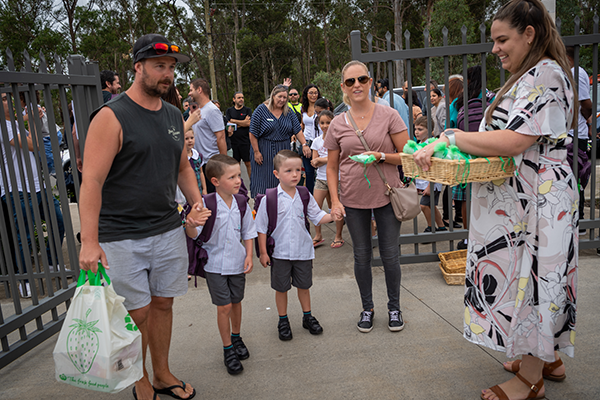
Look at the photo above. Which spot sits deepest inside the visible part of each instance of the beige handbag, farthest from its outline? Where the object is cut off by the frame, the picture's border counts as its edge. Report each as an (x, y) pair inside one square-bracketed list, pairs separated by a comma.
[(405, 200)]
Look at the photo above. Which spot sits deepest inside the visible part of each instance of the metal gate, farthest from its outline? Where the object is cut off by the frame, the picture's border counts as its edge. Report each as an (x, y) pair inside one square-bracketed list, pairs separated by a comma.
[(36, 267), (417, 241)]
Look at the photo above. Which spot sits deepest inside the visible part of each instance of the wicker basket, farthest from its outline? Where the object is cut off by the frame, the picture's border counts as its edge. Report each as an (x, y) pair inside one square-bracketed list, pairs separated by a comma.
[(453, 279), (455, 172), (454, 261)]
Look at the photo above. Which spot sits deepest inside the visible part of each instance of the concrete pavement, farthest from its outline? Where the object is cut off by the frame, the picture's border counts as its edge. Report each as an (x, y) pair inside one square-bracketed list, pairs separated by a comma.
[(428, 359)]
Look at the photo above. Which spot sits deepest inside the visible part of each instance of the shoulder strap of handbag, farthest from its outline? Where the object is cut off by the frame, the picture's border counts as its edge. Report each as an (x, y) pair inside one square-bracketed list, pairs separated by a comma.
[(366, 146)]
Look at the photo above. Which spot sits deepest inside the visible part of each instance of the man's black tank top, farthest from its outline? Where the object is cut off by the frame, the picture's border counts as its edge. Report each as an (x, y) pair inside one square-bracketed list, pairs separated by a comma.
[(138, 196)]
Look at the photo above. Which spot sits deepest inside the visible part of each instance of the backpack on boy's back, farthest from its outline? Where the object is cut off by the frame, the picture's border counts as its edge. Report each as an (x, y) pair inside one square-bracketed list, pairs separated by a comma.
[(197, 255), (475, 108), (271, 199)]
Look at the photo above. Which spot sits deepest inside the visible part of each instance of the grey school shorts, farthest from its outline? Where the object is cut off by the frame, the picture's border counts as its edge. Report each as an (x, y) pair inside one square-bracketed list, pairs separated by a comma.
[(426, 200), (225, 289), (285, 273), (150, 267)]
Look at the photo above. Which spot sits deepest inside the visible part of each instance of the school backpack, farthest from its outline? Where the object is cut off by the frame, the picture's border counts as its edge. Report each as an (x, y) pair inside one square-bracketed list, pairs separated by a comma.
[(198, 256), (475, 108), (271, 198)]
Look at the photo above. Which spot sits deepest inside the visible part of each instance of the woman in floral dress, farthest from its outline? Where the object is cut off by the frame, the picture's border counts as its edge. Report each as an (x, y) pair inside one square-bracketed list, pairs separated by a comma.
[(521, 275)]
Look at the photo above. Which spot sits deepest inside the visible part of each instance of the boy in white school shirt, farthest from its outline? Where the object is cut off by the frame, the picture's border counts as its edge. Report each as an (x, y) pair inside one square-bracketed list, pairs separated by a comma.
[(228, 259), (291, 262)]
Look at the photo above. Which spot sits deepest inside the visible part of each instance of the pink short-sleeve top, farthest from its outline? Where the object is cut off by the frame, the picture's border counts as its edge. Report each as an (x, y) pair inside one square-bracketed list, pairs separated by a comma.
[(354, 188)]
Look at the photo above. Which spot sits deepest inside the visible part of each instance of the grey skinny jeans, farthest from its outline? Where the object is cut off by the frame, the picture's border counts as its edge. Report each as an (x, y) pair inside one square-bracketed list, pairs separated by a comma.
[(388, 230)]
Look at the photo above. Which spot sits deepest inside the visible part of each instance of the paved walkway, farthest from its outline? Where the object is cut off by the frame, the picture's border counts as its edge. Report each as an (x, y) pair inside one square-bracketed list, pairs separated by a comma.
[(428, 359)]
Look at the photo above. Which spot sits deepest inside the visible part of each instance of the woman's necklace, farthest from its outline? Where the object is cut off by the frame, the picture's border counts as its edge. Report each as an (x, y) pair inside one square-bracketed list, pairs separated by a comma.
[(363, 117)]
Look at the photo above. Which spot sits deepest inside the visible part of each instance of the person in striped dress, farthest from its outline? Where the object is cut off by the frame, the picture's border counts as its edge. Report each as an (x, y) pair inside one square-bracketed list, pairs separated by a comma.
[(271, 128)]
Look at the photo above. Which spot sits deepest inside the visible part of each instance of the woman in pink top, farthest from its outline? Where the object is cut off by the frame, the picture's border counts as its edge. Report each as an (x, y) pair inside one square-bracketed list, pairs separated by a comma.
[(385, 133)]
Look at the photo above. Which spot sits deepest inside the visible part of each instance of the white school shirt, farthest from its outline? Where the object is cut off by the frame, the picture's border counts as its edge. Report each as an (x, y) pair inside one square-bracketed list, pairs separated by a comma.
[(292, 240), (226, 252), (583, 92), (317, 145)]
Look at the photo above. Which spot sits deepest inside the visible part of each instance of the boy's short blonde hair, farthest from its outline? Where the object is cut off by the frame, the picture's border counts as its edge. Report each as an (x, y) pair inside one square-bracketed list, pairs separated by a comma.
[(282, 156), (215, 167)]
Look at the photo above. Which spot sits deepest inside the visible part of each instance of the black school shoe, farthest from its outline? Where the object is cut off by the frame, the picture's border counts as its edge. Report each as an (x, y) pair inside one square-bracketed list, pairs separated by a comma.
[(232, 362), (309, 322), (365, 324), (285, 331), (396, 323), (240, 348)]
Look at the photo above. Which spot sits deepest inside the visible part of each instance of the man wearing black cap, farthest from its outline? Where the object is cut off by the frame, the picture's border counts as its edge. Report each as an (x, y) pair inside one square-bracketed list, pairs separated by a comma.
[(133, 161)]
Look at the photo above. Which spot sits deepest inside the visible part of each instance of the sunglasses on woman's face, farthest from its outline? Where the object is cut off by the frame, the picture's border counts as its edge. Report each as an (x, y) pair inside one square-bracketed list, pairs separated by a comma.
[(361, 79)]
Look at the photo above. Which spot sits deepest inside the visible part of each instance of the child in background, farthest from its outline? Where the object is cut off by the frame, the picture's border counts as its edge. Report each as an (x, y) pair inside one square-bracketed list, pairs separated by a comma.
[(319, 161), (422, 134), (291, 262), (321, 104), (228, 259), (195, 159)]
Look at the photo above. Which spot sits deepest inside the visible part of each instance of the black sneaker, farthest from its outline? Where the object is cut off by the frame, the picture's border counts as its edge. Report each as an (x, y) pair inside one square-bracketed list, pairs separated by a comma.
[(285, 331), (232, 362), (240, 348), (365, 324), (462, 245), (309, 322), (427, 230), (395, 323)]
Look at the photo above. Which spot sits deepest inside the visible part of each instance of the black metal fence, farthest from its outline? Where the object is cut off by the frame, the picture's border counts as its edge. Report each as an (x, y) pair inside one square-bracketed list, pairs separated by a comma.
[(38, 250), (415, 246)]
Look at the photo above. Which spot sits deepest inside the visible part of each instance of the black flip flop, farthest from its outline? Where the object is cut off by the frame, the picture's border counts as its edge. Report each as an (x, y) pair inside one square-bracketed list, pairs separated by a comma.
[(169, 391), (135, 394)]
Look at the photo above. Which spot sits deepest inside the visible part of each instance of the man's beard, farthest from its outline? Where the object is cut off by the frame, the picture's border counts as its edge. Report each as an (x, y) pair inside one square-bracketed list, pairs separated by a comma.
[(153, 91)]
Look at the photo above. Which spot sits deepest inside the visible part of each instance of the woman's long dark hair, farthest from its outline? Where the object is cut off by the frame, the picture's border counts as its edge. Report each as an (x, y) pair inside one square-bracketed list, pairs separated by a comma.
[(473, 85), (172, 97), (305, 96), (519, 14)]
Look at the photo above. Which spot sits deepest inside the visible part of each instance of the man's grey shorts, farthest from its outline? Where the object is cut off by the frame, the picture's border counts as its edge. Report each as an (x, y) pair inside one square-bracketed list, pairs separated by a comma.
[(151, 267), (285, 273), (225, 289)]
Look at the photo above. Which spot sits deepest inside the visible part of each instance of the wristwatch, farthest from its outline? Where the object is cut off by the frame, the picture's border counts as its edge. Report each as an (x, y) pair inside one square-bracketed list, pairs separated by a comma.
[(382, 159), (451, 138)]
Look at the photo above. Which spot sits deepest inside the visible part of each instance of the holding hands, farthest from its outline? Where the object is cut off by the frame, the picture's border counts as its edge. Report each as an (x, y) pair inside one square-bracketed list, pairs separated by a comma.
[(197, 217)]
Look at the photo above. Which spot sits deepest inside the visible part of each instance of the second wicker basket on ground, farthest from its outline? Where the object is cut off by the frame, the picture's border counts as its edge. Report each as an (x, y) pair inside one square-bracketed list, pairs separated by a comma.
[(452, 265), (455, 172)]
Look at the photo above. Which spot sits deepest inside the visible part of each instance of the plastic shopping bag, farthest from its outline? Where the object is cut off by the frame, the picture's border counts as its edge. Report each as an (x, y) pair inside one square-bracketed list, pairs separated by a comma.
[(99, 346)]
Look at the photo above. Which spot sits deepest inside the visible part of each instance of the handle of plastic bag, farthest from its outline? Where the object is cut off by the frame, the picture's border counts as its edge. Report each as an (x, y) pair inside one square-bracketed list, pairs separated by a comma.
[(94, 279)]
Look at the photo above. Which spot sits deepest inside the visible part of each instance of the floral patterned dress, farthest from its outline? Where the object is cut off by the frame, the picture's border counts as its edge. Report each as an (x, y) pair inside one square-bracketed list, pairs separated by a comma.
[(521, 275)]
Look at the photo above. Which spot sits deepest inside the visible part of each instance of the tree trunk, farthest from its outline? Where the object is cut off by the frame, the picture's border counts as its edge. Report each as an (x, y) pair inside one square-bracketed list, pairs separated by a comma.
[(211, 57), (274, 77), (398, 41), (171, 7), (263, 56), (326, 40), (237, 52)]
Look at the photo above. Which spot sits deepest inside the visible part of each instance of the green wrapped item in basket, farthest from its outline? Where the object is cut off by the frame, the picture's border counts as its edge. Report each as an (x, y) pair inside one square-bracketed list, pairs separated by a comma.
[(450, 166)]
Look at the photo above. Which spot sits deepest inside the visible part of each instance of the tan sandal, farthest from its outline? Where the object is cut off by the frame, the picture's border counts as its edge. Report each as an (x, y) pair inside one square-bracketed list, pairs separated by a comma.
[(546, 372), (534, 389)]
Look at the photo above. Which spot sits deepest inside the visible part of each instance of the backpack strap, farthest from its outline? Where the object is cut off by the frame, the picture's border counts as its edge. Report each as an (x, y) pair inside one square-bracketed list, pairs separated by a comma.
[(305, 197), (242, 206), (210, 202), (271, 197)]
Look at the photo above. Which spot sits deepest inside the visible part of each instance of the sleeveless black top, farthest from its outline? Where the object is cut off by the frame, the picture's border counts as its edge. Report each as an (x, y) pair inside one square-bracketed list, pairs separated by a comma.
[(138, 196)]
